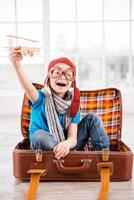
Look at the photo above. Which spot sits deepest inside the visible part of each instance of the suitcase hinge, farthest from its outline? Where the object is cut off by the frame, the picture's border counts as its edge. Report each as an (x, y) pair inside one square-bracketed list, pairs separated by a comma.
[(105, 163), (38, 154)]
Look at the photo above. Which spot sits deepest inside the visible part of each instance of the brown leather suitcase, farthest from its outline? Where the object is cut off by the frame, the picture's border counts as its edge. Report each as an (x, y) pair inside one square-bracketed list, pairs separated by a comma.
[(79, 165), (76, 166)]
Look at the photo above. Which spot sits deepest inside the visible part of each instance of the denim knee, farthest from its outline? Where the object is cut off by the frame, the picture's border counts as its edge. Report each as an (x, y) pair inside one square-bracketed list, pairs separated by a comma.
[(36, 141), (42, 140)]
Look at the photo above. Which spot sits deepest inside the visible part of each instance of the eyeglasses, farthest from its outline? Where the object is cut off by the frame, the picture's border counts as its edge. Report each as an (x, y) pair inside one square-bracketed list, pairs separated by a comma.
[(57, 72)]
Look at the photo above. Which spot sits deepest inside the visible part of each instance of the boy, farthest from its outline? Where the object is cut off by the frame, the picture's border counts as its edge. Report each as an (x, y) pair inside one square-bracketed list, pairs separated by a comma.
[(55, 110)]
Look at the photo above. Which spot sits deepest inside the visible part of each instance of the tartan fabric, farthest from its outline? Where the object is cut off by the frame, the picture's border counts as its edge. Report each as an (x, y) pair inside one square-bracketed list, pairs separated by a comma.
[(106, 103)]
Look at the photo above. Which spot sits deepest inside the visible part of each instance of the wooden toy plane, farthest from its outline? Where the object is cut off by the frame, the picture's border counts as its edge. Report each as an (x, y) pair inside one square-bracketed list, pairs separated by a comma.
[(25, 51)]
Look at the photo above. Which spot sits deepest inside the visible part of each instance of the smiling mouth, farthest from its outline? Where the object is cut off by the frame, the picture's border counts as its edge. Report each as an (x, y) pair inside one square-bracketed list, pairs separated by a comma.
[(61, 84)]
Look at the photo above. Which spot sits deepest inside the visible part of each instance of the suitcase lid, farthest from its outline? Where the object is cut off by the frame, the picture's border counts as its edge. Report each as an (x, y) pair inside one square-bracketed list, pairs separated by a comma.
[(106, 103)]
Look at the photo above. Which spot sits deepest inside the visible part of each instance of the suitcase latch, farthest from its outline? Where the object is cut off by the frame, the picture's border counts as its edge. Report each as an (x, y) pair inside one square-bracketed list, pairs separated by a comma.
[(38, 154), (105, 154)]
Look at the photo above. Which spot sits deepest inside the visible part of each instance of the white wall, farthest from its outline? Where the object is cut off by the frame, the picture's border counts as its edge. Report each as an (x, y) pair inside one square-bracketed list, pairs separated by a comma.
[(128, 102), (11, 94)]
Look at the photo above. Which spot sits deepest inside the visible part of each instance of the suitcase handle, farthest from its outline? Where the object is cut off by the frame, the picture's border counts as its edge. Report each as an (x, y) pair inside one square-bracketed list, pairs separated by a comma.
[(73, 169)]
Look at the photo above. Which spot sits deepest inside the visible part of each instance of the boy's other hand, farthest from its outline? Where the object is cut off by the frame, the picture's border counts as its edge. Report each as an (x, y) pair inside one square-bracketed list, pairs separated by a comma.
[(61, 149)]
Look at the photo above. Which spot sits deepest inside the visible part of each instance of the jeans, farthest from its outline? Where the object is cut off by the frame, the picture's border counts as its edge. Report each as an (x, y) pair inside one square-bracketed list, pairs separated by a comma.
[(90, 126)]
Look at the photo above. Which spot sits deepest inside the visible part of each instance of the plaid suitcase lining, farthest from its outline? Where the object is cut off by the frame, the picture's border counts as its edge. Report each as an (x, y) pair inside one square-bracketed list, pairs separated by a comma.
[(105, 103)]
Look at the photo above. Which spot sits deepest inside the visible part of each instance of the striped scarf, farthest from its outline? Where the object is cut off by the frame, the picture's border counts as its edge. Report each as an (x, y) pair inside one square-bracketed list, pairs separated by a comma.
[(54, 105)]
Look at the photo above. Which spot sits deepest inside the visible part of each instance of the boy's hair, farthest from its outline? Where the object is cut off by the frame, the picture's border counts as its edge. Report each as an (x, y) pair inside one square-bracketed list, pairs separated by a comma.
[(75, 105)]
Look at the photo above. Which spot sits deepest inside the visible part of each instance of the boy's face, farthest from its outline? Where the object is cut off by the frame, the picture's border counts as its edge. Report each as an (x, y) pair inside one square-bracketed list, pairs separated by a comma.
[(61, 78)]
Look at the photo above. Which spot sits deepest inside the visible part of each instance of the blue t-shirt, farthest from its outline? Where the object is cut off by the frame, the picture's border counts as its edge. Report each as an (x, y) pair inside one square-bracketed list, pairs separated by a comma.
[(38, 118)]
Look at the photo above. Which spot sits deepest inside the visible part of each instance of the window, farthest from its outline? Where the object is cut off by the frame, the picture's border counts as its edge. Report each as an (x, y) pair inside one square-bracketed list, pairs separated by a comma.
[(24, 18), (99, 37), (97, 34)]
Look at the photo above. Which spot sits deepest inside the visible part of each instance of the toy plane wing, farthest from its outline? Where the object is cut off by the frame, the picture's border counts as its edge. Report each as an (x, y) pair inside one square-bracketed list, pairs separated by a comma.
[(22, 38)]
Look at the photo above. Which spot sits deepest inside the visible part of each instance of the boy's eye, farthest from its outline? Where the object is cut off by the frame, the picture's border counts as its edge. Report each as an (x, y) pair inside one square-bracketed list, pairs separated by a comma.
[(56, 72), (70, 74)]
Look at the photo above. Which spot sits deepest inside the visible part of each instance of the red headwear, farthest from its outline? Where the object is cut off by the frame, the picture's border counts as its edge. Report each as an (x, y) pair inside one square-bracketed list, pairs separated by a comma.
[(75, 105)]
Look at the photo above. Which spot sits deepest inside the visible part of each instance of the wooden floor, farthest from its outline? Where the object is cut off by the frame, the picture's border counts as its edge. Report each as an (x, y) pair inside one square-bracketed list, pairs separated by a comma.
[(13, 189)]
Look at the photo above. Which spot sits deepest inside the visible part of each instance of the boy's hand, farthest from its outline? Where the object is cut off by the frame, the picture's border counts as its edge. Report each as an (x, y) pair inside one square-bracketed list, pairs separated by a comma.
[(15, 56), (61, 149)]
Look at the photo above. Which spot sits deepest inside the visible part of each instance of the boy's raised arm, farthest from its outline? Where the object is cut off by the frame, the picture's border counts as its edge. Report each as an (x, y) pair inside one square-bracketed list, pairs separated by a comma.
[(15, 58)]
